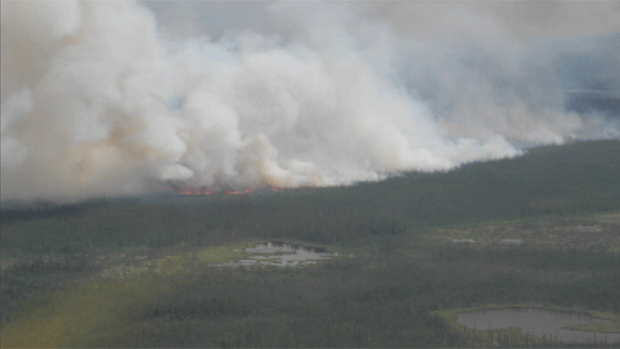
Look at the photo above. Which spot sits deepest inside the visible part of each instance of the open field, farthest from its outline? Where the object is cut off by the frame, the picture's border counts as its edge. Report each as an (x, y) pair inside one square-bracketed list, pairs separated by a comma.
[(542, 229)]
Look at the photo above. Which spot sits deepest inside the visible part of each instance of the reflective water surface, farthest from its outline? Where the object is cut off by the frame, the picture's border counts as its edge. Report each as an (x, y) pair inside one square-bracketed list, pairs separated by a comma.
[(538, 322), (283, 254)]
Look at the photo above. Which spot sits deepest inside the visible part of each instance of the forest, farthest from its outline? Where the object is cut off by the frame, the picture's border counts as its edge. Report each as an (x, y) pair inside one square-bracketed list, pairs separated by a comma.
[(409, 247)]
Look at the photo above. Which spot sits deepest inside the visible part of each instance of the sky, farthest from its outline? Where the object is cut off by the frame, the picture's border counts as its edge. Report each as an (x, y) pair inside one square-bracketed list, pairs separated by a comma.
[(120, 97)]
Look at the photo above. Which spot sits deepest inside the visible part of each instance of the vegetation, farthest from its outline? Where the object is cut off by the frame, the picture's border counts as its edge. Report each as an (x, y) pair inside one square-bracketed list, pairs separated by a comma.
[(398, 263)]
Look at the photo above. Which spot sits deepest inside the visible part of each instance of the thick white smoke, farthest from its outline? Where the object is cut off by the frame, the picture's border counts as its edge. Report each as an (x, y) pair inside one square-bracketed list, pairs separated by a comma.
[(98, 98)]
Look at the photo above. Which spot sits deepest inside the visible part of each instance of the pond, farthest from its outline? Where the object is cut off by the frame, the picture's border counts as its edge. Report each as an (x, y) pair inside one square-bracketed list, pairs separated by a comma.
[(282, 254), (551, 324)]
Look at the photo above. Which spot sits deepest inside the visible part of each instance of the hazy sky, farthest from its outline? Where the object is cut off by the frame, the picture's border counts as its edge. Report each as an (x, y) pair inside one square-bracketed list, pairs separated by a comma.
[(125, 97), (415, 19)]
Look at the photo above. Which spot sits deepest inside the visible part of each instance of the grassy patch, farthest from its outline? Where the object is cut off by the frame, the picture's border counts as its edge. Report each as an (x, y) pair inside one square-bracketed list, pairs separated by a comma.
[(610, 327), (220, 254), (77, 315), (84, 313)]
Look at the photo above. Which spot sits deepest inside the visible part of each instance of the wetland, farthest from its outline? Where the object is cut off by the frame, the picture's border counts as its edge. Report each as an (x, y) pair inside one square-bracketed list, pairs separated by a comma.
[(369, 265), (544, 323), (282, 254)]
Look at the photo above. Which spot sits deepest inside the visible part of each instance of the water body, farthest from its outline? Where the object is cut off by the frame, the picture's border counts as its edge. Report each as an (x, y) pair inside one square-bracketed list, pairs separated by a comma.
[(283, 254), (538, 322)]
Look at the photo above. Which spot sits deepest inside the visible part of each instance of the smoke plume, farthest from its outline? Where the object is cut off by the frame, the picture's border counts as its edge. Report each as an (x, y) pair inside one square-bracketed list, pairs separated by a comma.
[(113, 98)]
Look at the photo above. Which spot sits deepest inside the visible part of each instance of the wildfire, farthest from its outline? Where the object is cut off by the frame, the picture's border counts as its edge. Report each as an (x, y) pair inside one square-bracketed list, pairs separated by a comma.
[(211, 191), (270, 187)]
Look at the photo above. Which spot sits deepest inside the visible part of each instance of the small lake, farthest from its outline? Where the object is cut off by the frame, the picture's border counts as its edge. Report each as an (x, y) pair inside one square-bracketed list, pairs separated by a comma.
[(283, 254), (538, 322)]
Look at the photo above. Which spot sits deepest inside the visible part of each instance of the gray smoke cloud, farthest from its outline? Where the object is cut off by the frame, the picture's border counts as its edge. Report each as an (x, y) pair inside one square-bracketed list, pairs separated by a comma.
[(126, 97)]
